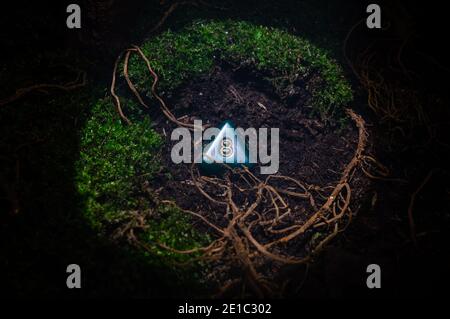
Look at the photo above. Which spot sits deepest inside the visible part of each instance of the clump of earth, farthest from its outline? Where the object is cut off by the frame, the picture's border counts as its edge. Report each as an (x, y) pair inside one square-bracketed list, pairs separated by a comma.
[(310, 151)]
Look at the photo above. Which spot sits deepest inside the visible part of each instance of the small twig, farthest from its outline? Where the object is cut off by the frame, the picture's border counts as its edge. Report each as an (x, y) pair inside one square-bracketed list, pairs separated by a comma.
[(113, 92), (67, 87)]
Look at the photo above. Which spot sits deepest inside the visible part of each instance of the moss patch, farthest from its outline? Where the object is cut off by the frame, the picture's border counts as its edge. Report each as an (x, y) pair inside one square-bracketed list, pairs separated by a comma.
[(286, 59), (116, 159), (113, 159)]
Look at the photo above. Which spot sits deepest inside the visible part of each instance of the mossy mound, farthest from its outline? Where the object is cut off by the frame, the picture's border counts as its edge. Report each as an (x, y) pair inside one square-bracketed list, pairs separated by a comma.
[(117, 160), (285, 59), (112, 159)]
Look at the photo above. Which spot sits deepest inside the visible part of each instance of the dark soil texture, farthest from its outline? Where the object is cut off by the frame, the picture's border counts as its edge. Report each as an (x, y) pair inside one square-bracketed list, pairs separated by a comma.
[(310, 151), (401, 220)]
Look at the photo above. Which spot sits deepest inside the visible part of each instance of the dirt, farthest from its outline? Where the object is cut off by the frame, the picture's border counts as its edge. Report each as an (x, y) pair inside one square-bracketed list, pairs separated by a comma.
[(310, 151)]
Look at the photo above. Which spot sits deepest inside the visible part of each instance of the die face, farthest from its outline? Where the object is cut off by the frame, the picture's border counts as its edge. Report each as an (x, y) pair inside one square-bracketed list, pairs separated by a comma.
[(227, 147)]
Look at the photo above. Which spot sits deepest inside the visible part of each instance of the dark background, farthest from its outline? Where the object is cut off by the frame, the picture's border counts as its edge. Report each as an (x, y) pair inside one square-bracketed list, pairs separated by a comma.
[(40, 233)]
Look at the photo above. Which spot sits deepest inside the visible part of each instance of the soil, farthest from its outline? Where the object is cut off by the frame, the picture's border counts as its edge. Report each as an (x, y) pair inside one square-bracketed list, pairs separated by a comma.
[(40, 146), (310, 151)]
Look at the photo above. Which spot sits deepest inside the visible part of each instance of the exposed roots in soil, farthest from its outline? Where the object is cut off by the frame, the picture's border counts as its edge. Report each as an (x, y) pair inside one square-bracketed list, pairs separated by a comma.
[(155, 77), (396, 103), (255, 220), (393, 102)]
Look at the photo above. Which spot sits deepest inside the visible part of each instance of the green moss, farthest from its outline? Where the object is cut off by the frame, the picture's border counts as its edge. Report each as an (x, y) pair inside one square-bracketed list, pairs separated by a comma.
[(192, 51), (113, 160), (116, 159), (173, 228)]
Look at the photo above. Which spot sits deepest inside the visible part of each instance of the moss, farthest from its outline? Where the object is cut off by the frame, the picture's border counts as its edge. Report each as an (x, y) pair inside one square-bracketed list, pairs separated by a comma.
[(192, 51), (113, 159), (173, 228), (116, 159)]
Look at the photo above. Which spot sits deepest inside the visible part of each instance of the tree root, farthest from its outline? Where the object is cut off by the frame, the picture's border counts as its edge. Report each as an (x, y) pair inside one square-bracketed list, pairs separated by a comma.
[(80, 81), (166, 111), (257, 222)]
